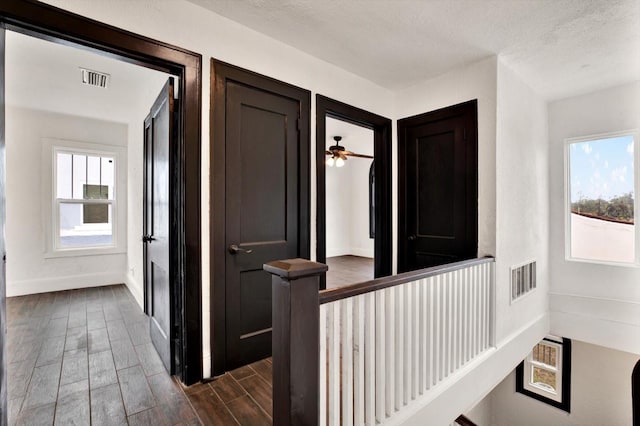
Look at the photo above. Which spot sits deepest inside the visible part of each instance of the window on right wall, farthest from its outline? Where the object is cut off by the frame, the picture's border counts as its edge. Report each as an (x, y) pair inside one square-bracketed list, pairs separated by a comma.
[(601, 202), (545, 374)]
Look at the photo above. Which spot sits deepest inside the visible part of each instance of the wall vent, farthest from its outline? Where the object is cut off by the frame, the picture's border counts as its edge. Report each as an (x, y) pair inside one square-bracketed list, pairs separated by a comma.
[(523, 280), (95, 78)]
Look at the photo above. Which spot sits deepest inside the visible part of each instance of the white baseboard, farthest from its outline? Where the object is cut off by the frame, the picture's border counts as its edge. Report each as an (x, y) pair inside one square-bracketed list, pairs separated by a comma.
[(362, 252), (44, 285), (136, 289), (333, 252)]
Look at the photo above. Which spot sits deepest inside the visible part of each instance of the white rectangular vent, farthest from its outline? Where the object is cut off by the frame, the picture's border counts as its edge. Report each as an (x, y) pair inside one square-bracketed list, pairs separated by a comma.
[(95, 78), (523, 279)]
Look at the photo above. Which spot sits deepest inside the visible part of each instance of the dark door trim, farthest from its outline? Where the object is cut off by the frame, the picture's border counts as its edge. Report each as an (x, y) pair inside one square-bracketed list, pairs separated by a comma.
[(635, 394), (471, 162), (381, 127), (222, 72), (60, 26)]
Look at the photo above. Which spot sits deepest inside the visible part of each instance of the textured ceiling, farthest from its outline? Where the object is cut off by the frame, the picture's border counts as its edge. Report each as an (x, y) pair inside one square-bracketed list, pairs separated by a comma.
[(560, 47)]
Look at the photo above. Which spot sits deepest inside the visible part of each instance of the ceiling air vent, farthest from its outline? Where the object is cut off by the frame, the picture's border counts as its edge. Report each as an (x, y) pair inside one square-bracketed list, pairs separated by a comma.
[(95, 78)]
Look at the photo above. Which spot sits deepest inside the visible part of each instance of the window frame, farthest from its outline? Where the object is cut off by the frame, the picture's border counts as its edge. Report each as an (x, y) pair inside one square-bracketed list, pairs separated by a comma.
[(51, 204), (562, 398), (567, 195)]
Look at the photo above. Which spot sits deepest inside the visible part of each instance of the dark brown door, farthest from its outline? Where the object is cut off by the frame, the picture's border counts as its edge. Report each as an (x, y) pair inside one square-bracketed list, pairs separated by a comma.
[(260, 204), (438, 187), (3, 321), (160, 295), (262, 211)]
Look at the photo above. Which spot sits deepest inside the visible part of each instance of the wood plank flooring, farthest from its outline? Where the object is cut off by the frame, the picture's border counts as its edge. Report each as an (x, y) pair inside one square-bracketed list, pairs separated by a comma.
[(84, 357), (346, 270)]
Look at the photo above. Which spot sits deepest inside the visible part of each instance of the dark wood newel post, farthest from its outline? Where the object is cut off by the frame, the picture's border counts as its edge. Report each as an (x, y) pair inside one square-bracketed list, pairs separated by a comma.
[(296, 341)]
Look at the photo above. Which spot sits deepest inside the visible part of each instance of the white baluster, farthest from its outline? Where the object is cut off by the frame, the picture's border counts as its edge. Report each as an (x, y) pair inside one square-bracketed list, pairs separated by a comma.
[(415, 370), (359, 349), (323, 365), (346, 315), (370, 352), (381, 348), (399, 346), (334, 364), (390, 352)]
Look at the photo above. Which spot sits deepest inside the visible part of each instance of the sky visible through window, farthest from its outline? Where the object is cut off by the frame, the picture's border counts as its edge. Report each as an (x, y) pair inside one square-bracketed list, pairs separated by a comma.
[(602, 168)]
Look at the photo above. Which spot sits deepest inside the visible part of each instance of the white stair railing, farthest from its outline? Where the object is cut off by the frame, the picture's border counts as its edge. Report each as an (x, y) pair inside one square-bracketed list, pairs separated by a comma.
[(382, 349), (381, 344)]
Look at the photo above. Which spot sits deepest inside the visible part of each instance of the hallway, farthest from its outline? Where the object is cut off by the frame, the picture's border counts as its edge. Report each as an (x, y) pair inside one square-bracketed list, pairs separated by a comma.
[(85, 357)]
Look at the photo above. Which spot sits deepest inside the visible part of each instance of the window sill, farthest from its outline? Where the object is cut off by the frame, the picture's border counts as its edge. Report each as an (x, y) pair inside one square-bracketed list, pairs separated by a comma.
[(603, 262)]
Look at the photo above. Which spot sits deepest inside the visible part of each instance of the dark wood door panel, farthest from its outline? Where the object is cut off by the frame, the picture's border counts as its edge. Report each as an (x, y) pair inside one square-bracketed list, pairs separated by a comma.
[(159, 138), (3, 283), (437, 187), (260, 203), (262, 215)]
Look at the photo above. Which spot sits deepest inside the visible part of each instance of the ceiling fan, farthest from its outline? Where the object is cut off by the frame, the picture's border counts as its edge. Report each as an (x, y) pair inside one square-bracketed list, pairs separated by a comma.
[(339, 154)]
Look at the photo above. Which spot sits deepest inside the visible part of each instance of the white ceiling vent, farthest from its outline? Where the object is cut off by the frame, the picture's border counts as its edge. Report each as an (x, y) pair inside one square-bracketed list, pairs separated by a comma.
[(95, 78)]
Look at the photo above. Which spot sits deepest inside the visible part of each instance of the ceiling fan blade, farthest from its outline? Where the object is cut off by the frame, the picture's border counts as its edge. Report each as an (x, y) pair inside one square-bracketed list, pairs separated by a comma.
[(353, 154), (341, 154), (328, 152)]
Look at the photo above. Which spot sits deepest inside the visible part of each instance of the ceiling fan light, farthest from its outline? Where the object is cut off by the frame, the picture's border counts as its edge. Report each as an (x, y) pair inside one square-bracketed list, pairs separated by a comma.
[(339, 162), (330, 161)]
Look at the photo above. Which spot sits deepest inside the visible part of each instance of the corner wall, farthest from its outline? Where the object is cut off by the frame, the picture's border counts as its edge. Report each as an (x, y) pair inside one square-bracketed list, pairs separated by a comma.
[(522, 198), (594, 303)]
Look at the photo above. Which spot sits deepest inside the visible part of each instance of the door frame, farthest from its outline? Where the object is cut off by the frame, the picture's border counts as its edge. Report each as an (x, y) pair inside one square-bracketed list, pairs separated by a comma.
[(221, 72), (472, 172), (381, 126), (60, 26)]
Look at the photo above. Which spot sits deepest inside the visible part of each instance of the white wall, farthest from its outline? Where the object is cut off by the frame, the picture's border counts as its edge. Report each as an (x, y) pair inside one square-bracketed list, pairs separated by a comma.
[(194, 28), (600, 393), (28, 271), (522, 197), (591, 302)]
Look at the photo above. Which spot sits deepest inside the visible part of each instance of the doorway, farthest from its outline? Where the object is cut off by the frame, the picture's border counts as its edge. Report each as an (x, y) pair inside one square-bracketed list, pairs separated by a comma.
[(350, 209), (60, 26), (438, 187), (370, 178)]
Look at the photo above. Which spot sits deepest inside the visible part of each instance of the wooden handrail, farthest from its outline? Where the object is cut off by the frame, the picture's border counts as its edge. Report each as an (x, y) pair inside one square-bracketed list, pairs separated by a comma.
[(332, 295), (463, 420)]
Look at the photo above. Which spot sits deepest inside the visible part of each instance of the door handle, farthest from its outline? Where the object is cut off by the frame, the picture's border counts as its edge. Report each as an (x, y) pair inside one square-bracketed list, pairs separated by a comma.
[(411, 237), (234, 249), (147, 238)]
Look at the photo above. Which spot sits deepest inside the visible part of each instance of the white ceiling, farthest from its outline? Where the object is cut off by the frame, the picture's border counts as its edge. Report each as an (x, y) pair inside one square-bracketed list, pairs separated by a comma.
[(46, 76), (560, 47)]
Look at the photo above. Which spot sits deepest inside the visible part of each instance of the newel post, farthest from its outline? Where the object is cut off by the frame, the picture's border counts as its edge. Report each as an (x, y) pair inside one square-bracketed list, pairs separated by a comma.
[(296, 341)]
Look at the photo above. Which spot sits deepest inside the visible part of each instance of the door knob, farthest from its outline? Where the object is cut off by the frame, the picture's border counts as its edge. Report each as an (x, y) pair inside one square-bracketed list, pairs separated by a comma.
[(234, 249), (411, 237), (147, 238)]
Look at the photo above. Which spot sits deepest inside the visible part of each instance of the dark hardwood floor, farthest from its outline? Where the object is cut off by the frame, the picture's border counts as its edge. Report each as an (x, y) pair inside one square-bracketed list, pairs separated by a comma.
[(345, 270), (84, 357)]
